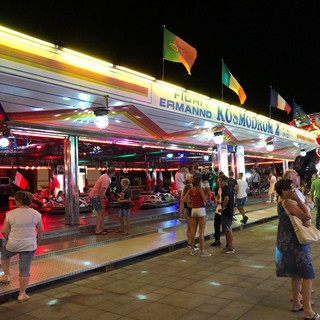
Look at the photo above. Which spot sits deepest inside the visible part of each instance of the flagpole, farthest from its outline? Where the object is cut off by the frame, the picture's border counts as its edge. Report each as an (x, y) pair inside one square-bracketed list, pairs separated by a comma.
[(163, 54), (270, 103), (293, 113), (221, 80)]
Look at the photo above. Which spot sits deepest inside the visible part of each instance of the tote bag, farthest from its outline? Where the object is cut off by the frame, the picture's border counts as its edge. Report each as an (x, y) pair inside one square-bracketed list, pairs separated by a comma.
[(304, 234)]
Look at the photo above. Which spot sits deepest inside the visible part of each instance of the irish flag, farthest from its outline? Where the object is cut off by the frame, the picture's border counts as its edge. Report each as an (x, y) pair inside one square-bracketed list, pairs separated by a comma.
[(277, 101), (177, 50), (229, 81)]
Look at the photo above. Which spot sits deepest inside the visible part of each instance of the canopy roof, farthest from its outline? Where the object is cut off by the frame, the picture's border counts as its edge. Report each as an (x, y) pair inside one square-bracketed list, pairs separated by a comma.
[(56, 91)]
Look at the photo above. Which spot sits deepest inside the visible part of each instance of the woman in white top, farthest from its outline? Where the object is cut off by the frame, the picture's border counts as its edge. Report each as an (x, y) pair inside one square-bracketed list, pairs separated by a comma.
[(23, 230)]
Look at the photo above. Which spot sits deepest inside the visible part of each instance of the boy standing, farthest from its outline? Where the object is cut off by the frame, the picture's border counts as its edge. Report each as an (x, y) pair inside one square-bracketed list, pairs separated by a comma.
[(227, 206), (125, 200)]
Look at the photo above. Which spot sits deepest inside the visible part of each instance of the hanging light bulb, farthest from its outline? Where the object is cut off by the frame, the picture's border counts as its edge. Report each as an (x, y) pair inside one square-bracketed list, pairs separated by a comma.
[(4, 142), (101, 120), (270, 146), (218, 137), (205, 157)]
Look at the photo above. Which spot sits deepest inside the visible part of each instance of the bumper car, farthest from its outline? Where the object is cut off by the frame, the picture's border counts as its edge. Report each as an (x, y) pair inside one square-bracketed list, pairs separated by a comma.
[(149, 199), (54, 207), (84, 206)]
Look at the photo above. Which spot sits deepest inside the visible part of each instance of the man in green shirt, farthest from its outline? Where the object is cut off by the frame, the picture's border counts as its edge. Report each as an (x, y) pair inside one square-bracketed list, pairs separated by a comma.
[(315, 197)]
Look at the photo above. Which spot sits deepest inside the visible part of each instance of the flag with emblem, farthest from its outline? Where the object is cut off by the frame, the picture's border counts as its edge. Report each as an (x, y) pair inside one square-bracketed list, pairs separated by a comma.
[(177, 50), (302, 119)]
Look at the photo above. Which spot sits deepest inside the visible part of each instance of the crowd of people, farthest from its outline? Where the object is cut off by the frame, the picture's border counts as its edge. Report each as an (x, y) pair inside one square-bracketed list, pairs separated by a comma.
[(197, 191), (292, 259)]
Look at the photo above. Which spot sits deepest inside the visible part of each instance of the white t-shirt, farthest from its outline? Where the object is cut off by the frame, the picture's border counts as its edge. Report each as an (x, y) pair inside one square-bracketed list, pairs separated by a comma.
[(242, 189), (179, 180), (308, 203), (23, 232), (272, 181)]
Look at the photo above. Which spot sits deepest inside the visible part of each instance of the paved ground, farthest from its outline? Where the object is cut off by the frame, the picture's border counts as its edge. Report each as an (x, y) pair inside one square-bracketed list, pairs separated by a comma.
[(171, 284)]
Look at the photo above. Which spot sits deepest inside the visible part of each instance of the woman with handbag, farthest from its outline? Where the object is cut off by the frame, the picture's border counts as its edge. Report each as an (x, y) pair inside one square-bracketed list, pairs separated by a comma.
[(293, 259)]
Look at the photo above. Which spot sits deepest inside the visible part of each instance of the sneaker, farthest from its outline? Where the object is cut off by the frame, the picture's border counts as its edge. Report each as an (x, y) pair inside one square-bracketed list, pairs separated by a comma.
[(215, 244), (268, 201), (229, 251), (5, 279), (194, 251), (245, 219), (204, 254)]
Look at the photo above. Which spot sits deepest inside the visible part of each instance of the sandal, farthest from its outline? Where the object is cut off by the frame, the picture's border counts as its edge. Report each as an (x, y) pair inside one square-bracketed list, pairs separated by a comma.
[(301, 301), (5, 279), (315, 316), (23, 298), (297, 310), (101, 232), (119, 231)]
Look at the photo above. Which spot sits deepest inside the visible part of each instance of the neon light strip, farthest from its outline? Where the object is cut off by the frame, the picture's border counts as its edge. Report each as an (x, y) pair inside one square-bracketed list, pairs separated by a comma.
[(40, 135)]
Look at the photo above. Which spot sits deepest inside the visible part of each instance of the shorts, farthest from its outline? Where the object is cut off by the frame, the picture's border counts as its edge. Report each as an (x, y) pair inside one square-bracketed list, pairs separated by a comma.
[(271, 190), (205, 185), (96, 203), (124, 213), (198, 212), (255, 185), (241, 202), (25, 259), (226, 223)]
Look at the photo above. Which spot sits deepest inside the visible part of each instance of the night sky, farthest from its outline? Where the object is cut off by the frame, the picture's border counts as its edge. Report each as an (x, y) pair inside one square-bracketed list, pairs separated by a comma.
[(263, 43)]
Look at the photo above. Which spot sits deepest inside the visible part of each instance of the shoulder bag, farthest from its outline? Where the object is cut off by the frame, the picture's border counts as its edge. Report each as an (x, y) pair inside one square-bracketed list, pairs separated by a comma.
[(304, 234)]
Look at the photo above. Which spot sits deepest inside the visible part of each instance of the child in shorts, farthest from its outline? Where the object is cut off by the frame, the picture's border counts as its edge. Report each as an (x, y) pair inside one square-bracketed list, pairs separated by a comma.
[(125, 201)]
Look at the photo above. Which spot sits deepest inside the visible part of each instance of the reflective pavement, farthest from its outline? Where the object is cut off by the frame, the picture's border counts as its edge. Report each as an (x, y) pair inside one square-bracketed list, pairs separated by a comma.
[(150, 275)]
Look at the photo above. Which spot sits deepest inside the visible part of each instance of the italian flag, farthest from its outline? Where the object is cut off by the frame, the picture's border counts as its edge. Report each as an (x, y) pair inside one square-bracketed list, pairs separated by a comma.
[(177, 50), (229, 81), (160, 179), (20, 181)]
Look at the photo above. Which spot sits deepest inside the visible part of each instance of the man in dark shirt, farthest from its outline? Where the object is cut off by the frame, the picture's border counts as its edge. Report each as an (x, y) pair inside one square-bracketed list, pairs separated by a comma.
[(233, 184), (227, 207)]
